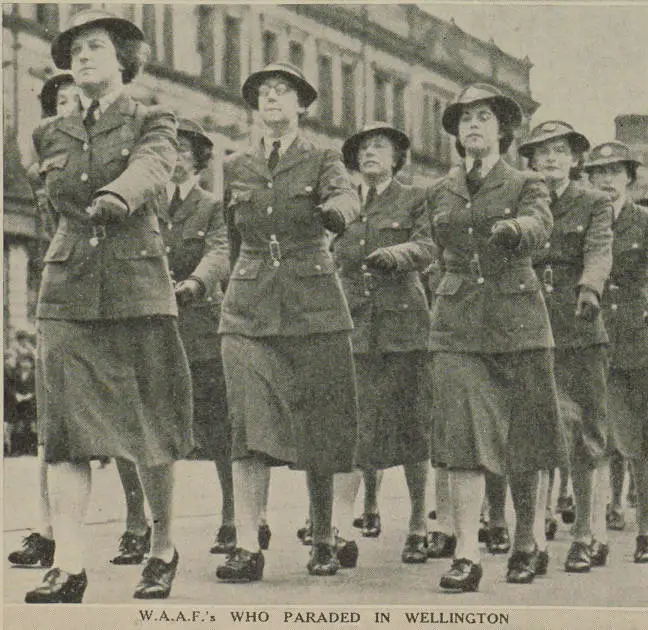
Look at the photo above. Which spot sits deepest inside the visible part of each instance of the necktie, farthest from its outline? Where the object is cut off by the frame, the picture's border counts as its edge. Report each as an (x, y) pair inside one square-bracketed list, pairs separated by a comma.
[(90, 119), (175, 202), (273, 158), (371, 195), (473, 177), (554, 197)]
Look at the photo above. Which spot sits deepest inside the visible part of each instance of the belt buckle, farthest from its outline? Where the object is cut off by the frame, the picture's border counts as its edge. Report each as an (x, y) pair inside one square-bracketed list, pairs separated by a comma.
[(475, 268), (98, 234), (547, 279), (275, 250), (367, 284)]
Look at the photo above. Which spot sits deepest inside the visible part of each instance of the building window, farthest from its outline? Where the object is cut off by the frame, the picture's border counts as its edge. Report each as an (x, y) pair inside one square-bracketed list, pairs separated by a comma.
[(296, 54), (205, 39), (348, 97), (427, 125), (149, 28), (48, 16), (75, 8), (325, 98), (168, 35), (232, 58), (270, 50), (399, 105), (438, 134), (380, 98)]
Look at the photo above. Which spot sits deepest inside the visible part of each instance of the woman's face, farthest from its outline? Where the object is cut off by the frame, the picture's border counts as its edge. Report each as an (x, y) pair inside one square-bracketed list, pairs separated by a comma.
[(67, 100), (479, 130), (554, 159), (279, 103), (611, 178), (376, 157), (185, 165), (95, 66)]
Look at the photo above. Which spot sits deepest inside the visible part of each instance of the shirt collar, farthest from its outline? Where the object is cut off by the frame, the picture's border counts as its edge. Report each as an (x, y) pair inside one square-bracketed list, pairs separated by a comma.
[(285, 141), (184, 189), (380, 188), (561, 191), (617, 206), (104, 102), (487, 163)]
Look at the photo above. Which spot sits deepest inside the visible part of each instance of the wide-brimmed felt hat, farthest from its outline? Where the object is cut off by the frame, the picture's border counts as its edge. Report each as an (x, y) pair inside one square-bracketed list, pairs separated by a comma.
[(49, 93), (611, 153), (506, 109), (352, 144), (194, 130), (250, 90), (553, 130), (90, 18)]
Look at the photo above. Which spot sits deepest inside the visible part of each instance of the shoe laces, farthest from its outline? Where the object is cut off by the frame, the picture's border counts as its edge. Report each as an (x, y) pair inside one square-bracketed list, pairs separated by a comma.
[(128, 542), (52, 575), (31, 541)]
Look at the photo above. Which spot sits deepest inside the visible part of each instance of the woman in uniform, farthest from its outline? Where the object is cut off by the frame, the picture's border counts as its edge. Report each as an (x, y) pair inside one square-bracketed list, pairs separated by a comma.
[(612, 169), (195, 237), (285, 323), (380, 256), (574, 265), (495, 404), (106, 310)]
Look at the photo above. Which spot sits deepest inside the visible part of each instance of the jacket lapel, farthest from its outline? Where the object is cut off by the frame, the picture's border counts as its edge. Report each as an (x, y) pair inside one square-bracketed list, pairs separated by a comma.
[(566, 200), (495, 178), (256, 161), (456, 182), (625, 219), (385, 199), (113, 117), (73, 126), (297, 152), (187, 207)]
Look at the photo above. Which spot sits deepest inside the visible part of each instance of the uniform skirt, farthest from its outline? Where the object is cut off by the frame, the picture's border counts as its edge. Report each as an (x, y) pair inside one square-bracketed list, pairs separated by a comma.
[(113, 388), (497, 412), (581, 378), (395, 398), (293, 400), (628, 411)]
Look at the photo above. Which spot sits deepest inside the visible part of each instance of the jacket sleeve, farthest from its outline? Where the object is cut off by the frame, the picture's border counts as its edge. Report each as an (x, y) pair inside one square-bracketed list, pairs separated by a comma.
[(214, 267), (46, 214), (335, 189), (233, 235), (597, 262), (419, 252), (151, 161), (533, 217)]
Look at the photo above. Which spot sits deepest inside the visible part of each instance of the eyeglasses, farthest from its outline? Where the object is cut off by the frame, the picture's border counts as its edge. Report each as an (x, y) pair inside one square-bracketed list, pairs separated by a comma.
[(279, 89)]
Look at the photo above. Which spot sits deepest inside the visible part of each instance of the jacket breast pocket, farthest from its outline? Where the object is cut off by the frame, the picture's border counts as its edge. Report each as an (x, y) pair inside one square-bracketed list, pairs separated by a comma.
[(315, 286), (394, 230), (524, 283), (449, 285), (139, 248), (243, 296), (60, 248), (53, 162)]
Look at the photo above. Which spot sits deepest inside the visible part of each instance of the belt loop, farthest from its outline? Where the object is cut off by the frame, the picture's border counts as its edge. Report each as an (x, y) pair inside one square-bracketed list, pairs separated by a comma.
[(547, 279), (275, 249)]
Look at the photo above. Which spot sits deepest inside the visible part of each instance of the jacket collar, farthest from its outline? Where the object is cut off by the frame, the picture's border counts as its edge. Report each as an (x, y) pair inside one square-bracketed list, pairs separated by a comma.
[(625, 219), (297, 152), (563, 203), (495, 178)]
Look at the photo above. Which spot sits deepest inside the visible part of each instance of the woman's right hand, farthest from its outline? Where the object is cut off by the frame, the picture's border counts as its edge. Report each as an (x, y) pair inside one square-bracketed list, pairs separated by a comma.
[(106, 209)]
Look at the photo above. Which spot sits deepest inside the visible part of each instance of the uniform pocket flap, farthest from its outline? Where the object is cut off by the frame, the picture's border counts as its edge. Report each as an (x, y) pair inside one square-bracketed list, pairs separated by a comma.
[(139, 248), (239, 195), (314, 267), (60, 248), (449, 285), (246, 269), (527, 283), (301, 189), (55, 161), (395, 223)]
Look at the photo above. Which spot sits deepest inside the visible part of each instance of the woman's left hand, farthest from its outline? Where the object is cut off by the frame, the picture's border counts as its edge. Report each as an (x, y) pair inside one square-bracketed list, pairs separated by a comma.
[(382, 259), (106, 209)]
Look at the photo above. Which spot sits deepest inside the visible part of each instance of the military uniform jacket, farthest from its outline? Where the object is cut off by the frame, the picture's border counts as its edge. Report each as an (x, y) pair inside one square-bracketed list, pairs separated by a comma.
[(578, 254), (121, 270), (196, 245), (489, 300), (389, 309), (625, 299), (284, 280)]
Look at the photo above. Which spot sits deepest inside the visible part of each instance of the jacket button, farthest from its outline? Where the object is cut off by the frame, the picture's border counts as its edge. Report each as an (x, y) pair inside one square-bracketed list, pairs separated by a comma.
[(308, 189), (522, 286), (547, 245), (210, 299), (125, 152), (469, 205), (318, 267), (85, 146), (171, 273), (269, 210), (269, 184), (405, 306), (480, 280), (276, 263), (143, 252), (580, 228), (363, 242), (470, 230), (614, 307), (635, 246), (201, 233), (363, 267), (507, 211), (170, 225), (241, 272), (367, 293), (395, 225), (363, 218), (168, 249), (84, 177)]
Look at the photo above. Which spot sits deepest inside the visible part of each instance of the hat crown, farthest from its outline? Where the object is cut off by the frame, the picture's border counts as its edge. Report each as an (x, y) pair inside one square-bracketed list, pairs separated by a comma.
[(478, 92), (89, 15), (285, 67), (553, 127), (377, 125), (611, 150)]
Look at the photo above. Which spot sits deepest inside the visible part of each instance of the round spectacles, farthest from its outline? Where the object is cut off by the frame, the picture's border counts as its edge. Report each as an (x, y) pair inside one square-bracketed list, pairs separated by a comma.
[(279, 89)]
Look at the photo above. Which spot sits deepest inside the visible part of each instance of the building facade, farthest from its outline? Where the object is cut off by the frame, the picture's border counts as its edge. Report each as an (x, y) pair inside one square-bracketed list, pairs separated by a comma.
[(394, 63), (632, 129)]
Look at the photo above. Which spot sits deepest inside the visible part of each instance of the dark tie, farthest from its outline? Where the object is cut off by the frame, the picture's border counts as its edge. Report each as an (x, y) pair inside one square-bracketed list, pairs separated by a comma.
[(90, 119), (175, 202), (371, 195), (273, 158), (474, 178), (554, 197)]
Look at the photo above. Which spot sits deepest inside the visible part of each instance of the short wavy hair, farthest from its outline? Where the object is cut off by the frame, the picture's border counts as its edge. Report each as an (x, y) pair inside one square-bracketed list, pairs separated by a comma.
[(132, 54)]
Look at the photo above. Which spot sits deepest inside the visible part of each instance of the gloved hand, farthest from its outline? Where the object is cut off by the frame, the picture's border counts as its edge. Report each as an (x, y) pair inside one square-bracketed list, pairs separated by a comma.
[(332, 219), (106, 209), (505, 234), (587, 305), (382, 259), (188, 291)]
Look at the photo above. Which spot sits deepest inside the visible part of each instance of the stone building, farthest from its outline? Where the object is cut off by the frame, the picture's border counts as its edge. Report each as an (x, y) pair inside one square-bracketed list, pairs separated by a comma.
[(391, 62), (632, 129)]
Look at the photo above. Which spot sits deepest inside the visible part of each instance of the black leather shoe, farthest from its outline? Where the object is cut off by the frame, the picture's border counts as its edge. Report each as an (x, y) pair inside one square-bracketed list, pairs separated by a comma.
[(482, 535), (157, 578), (464, 575), (371, 526), (432, 515), (498, 540), (565, 507), (133, 548), (225, 540), (615, 520), (36, 549), (264, 534), (521, 567), (541, 562), (551, 527), (578, 558), (641, 552), (599, 553), (415, 550), (357, 522), (305, 534), (347, 552), (441, 545), (242, 566), (322, 560), (59, 587)]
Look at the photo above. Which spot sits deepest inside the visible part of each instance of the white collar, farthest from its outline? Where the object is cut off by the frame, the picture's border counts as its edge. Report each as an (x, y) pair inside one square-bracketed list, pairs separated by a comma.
[(104, 102), (380, 188), (617, 206), (184, 189), (488, 163), (285, 141)]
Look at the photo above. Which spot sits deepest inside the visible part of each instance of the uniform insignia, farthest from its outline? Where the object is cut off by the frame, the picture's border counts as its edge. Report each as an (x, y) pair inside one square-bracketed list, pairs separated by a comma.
[(606, 151)]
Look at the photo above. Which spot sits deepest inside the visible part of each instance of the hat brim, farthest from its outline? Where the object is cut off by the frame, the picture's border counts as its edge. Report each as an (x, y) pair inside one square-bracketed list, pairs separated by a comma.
[(577, 141), (61, 45), (352, 144), (250, 90), (506, 110), (604, 161), (50, 91), (196, 135)]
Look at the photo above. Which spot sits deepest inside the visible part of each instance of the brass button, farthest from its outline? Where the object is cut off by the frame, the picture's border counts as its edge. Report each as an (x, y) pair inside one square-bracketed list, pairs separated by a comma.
[(318, 267), (363, 267), (405, 306), (470, 230), (635, 246), (469, 205), (308, 189), (201, 233), (84, 177), (367, 293), (269, 184), (143, 252), (480, 280), (522, 286), (242, 272), (269, 210), (507, 211), (85, 146), (170, 225), (580, 228), (210, 299), (614, 307), (276, 263), (125, 152), (363, 218), (547, 245), (363, 242), (168, 249), (395, 224)]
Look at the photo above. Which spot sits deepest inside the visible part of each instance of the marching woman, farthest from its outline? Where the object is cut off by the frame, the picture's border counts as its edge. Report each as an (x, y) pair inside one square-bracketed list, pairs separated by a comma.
[(106, 309), (193, 229), (380, 256), (285, 323), (612, 169), (495, 402), (574, 265)]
